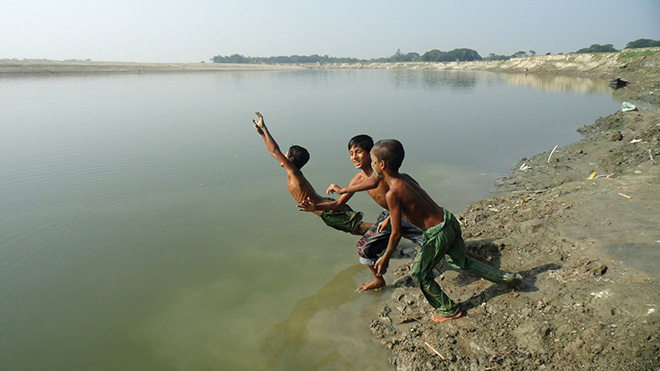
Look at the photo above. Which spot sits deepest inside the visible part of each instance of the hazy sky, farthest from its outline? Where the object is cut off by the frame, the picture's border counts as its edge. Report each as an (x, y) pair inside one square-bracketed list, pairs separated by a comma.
[(197, 30)]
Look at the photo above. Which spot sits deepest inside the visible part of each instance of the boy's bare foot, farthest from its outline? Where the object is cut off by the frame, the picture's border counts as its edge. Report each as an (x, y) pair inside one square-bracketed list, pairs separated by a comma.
[(513, 279), (438, 319), (376, 284)]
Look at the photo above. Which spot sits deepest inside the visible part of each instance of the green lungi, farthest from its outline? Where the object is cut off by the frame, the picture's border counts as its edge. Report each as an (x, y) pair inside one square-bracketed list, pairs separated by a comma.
[(344, 219), (444, 241)]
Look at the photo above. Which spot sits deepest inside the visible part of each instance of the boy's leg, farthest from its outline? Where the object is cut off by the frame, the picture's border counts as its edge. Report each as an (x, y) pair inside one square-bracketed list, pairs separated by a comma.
[(457, 257), (346, 220), (369, 247), (411, 232), (428, 256), (377, 283), (491, 273), (364, 227)]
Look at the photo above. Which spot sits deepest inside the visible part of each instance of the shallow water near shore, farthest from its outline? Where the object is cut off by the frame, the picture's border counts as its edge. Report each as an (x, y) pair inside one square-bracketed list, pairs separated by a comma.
[(144, 225)]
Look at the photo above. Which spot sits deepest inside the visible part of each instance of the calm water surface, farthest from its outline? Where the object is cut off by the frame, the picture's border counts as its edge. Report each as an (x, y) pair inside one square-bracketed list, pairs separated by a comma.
[(143, 225)]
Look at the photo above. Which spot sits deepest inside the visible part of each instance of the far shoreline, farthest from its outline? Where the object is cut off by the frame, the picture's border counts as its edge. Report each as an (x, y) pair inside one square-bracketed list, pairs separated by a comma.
[(640, 68), (44, 67)]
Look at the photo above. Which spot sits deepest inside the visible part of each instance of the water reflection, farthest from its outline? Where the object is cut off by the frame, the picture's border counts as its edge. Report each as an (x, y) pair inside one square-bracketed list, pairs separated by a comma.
[(556, 83), (293, 333), (464, 81), (430, 79)]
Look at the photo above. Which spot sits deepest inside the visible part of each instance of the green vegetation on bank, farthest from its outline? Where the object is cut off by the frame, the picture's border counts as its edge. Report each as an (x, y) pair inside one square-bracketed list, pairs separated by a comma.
[(636, 54), (435, 55)]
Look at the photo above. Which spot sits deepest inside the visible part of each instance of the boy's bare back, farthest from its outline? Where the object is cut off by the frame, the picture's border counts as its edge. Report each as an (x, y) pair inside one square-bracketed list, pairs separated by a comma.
[(414, 203), (301, 189)]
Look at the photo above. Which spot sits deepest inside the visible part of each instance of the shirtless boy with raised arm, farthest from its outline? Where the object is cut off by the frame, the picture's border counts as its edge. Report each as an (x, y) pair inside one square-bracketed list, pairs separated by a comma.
[(343, 219), (375, 240), (442, 232)]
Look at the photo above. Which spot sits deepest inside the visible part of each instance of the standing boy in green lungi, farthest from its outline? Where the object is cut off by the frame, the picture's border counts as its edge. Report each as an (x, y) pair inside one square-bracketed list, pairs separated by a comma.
[(442, 232)]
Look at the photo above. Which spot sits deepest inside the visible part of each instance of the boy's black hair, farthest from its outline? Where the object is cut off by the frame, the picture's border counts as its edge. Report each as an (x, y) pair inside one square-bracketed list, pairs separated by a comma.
[(391, 151), (299, 154), (362, 140)]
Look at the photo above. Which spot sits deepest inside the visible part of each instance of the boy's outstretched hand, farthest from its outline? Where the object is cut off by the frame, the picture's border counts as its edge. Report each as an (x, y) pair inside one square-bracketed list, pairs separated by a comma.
[(333, 189), (307, 205), (259, 125), (381, 265)]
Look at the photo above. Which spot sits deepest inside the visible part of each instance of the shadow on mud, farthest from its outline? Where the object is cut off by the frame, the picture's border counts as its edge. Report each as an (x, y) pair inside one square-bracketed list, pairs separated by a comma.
[(528, 285), (489, 250)]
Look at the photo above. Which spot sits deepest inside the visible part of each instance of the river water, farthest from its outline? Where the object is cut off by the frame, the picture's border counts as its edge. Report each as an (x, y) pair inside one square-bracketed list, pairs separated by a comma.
[(143, 225)]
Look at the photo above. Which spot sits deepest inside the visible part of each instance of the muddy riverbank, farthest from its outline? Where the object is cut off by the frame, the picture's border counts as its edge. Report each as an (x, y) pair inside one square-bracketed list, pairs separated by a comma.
[(582, 225)]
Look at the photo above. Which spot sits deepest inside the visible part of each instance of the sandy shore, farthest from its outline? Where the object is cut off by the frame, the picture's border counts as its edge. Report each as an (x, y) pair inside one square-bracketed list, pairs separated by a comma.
[(53, 67)]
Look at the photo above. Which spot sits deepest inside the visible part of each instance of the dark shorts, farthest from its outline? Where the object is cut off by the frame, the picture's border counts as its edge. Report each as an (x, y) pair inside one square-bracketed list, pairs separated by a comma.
[(344, 219), (372, 244)]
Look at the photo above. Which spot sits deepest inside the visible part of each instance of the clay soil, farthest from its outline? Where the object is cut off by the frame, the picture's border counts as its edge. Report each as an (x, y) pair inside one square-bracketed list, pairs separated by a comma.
[(583, 227)]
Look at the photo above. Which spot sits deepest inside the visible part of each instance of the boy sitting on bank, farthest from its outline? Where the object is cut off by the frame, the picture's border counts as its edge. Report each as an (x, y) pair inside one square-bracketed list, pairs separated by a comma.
[(442, 232), (375, 240), (343, 219)]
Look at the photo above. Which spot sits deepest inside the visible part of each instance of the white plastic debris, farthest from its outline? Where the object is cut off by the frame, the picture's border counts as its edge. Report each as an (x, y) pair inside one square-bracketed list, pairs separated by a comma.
[(627, 106), (602, 294)]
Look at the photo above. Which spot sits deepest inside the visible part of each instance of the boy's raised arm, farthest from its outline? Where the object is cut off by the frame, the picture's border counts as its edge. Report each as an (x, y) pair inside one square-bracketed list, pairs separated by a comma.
[(271, 145)]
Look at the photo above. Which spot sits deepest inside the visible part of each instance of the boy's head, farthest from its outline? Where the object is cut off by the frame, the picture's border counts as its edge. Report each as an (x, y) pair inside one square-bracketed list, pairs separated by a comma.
[(389, 151), (297, 155), (358, 149), (364, 141)]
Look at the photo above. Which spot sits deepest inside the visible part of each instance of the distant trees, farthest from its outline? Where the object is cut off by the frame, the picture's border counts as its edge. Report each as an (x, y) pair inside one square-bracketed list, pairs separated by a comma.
[(236, 58), (435, 55), (430, 56), (596, 48), (495, 57), (642, 43), (519, 54), (400, 57), (462, 55)]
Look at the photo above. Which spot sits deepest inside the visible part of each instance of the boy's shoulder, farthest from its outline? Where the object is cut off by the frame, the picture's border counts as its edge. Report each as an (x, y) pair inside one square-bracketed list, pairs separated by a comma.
[(360, 177), (399, 183), (292, 171)]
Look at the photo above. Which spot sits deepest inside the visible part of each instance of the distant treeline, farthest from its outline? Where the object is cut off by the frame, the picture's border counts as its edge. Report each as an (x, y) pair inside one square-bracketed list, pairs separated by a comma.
[(237, 58), (430, 56), (608, 48), (459, 55)]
